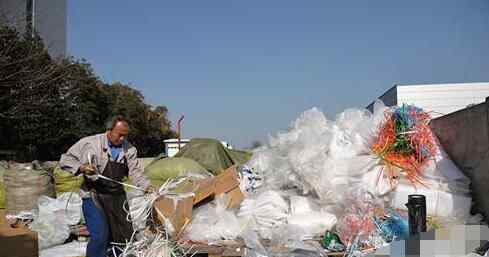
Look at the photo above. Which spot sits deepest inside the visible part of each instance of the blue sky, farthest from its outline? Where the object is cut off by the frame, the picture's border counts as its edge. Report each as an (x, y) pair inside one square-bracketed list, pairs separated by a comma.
[(241, 70)]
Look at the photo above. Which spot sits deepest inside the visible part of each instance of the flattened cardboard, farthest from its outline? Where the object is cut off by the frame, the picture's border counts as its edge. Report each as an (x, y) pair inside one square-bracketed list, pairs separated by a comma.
[(17, 242), (177, 210), (204, 189), (234, 198), (226, 181)]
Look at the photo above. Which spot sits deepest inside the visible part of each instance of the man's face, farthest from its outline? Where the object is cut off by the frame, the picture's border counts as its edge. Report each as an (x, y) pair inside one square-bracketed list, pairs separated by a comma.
[(118, 133)]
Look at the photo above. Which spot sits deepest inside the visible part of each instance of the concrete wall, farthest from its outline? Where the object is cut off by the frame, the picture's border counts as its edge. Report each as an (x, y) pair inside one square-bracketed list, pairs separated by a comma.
[(13, 12), (465, 136), (51, 23)]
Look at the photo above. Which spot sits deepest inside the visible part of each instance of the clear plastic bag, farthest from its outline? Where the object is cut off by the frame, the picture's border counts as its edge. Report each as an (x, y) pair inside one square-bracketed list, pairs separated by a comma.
[(321, 157), (267, 209), (313, 223), (357, 222), (289, 236), (212, 223)]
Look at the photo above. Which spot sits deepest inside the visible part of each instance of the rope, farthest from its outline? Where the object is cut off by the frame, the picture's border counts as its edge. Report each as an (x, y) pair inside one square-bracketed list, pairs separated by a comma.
[(155, 246), (120, 183), (143, 209)]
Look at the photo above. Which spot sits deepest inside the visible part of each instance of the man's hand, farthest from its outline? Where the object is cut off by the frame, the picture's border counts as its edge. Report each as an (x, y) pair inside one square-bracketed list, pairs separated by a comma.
[(149, 190), (87, 169)]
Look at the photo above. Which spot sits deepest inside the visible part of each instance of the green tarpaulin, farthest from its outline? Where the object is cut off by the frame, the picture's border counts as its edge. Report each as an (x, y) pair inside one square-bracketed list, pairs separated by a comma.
[(161, 170), (146, 161), (212, 155)]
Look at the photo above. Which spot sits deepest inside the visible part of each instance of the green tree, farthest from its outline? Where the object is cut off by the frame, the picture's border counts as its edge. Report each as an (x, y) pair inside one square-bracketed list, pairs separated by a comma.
[(29, 95), (47, 105), (149, 126)]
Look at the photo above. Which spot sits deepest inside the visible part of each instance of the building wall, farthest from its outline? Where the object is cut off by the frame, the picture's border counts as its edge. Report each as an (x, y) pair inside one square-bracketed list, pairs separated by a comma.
[(13, 12), (465, 137), (442, 99), (49, 20), (172, 146)]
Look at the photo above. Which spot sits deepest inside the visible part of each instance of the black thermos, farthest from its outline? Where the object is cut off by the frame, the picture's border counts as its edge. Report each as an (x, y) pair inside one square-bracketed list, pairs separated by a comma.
[(417, 214)]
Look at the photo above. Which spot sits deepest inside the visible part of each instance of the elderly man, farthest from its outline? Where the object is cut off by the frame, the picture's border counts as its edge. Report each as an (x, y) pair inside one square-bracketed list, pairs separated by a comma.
[(110, 155)]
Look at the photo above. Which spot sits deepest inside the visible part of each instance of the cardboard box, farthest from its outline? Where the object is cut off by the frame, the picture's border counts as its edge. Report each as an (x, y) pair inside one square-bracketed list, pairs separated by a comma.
[(234, 198), (178, 210), (3, 219), (226, 181), (17, 242), (204, 189)]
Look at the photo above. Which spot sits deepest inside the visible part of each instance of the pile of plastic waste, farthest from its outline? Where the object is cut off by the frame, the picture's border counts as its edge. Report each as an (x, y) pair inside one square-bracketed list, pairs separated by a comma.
[(349, 178), (344, 183)]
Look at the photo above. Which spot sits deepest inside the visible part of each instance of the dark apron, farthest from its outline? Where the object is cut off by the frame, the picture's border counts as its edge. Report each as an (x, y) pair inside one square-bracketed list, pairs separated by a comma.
[(110, 197)]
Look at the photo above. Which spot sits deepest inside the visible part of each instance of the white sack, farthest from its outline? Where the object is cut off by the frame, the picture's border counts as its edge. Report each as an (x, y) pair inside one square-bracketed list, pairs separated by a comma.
[(313, 223), (438, 202), (50, 222)]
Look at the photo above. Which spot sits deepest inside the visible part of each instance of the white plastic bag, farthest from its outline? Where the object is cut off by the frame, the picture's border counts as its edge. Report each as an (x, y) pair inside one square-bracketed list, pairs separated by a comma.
[(301, 205), (50, 222), (438, 202), (267, 210), (71, 204), (441, 170)]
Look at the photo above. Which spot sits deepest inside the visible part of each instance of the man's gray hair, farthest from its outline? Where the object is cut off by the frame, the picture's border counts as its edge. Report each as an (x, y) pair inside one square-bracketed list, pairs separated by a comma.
[(110, 124)]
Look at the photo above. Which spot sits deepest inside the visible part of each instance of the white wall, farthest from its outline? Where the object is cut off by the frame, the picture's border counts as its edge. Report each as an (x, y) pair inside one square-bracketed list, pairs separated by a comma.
[(172, 146), (443, 99)]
